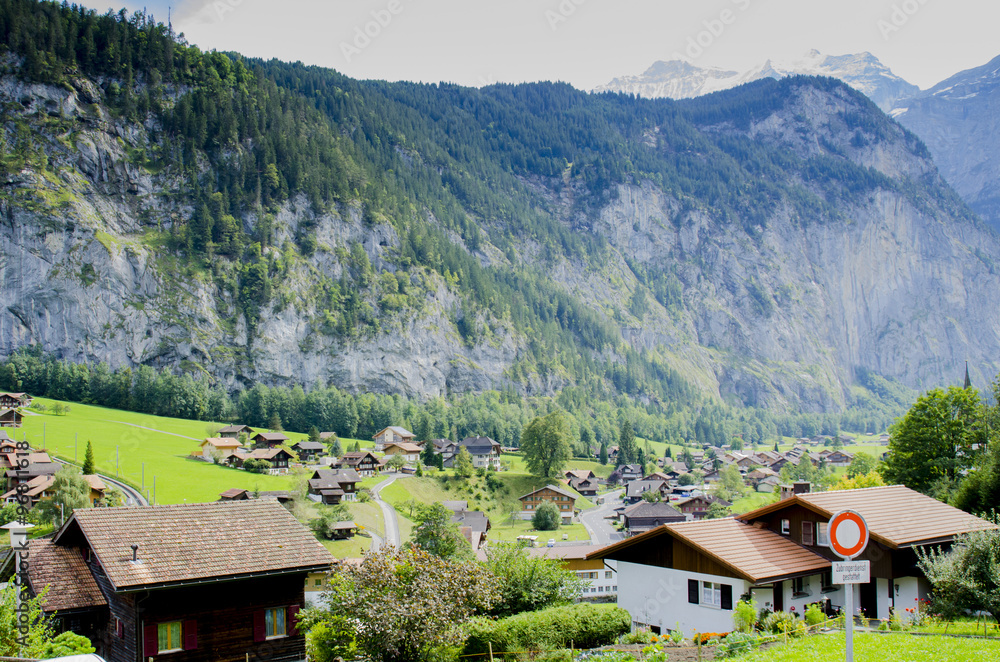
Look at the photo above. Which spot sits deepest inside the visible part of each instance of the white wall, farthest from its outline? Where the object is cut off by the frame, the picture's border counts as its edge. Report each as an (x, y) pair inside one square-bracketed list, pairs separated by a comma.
[(603, 585), (659, 596), (910, 589)]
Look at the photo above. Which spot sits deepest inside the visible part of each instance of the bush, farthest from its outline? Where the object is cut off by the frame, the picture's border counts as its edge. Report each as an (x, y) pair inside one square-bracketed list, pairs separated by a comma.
[(737, 643), (745, 616), (255, 466), (780, 622), (638, 636), (584, 625), (814, 615), (547, 517), (605, 656)]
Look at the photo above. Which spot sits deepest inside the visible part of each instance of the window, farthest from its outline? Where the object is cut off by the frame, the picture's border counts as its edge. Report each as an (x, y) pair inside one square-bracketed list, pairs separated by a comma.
[(822, 537), (168, 636), (807, 533), (274, 622), (826, 582), (607, 574), (711, 594), (785, 527), (317, 582), (800, 587)]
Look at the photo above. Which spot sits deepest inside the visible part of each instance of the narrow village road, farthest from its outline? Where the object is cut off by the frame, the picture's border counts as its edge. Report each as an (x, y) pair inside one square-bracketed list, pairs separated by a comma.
[(601, 531), (388, 514), (143, 427)]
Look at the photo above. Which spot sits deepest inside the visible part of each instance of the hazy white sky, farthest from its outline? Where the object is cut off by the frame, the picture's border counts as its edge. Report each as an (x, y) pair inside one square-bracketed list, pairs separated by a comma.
[(584, 42)]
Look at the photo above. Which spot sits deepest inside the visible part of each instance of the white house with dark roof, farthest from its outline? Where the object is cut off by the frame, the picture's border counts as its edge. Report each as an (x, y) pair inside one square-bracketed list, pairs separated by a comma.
[(692, 573), (390, 435)]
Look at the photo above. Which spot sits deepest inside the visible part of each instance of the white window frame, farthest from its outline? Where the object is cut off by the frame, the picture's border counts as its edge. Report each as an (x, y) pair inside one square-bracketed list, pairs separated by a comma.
[(711, 595), (822, 534), (786, 527)]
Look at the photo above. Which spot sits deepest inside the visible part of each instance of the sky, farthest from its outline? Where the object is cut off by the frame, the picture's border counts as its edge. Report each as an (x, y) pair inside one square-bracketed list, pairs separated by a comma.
[(583, 42)]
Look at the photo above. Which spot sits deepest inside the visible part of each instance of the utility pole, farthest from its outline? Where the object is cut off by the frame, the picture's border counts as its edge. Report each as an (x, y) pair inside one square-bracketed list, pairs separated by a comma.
[(76, 444), (117, 463), (154, 491), (143, 475)]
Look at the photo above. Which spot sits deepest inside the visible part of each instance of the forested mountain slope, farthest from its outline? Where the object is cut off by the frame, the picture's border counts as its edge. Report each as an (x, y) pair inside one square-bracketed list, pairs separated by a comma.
[(267, 222)]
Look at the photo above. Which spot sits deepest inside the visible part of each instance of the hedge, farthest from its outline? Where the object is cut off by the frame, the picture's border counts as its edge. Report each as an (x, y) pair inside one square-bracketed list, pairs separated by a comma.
[(584, 625)]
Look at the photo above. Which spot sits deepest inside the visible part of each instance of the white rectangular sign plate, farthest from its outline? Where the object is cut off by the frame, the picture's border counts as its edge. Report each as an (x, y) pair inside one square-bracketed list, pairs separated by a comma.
[(851, 572)]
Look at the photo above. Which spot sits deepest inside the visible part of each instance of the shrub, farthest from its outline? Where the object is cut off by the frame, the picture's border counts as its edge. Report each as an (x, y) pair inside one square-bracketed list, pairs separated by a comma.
[(584, 625), (737, 643), (255, 466), (605, 656), (814, 615), (745, 615), (779, 622), (547, 517), (637, 636)]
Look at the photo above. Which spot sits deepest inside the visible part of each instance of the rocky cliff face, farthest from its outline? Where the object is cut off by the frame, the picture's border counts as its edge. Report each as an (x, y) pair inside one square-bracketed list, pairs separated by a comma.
[(778, 315), (959, 120)]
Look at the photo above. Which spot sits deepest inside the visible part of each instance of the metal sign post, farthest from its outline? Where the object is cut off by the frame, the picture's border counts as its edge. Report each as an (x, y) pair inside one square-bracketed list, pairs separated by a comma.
[(848, 534)]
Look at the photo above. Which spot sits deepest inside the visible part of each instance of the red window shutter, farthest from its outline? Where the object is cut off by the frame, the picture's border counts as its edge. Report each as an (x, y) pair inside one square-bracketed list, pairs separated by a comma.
[(293, 619), (259, 626), (150, 640), (189, 632)]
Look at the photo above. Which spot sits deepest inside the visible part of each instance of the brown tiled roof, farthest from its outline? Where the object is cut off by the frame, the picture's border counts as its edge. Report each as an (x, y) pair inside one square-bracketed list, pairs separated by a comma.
[(402, 445), (63, 570), (202, 541), (233, 492), (896, 515), (758, 555), (39, 484), (221, 442), (271, 436)]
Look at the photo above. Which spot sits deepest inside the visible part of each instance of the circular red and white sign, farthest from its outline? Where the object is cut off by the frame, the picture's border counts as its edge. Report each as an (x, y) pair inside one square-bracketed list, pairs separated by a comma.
[(848, 533)]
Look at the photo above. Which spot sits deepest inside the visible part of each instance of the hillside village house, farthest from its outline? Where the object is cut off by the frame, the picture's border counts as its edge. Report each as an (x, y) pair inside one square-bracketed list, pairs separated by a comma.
[(600, 577), (40, 488), (636, 488), (562, 498), (331, 486), (268, 439), (696, 507), (10, 418), (409, 452), (279, 458), (234, 431), (207, 582), (309, 451), (644, 516), (365, 463), (218, 447), (391, 435), (691, 573), (14, 400), (485, 451), (585, 486)]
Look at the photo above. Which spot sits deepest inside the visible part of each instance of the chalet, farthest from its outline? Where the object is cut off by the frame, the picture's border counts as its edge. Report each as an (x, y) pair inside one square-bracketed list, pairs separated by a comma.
[(363, 462), (585, 486), (392, 434), (283, 497), (691, 573), (234, 431), (839, 459), (631, 472), (327, 437), (268, 439), (799, 487), (40, 488), (601, 579), (563, 499), (696, 507), (34, 469), (473, 525), (769, 484), (202, 582), (343, 530), (218, 447), (235, 494), (643, 516), (635, 489), (10, 418), (14, 400), (581, 474), (485, 452), (309, 451), (279, 458), (409, 452), (331, 486)]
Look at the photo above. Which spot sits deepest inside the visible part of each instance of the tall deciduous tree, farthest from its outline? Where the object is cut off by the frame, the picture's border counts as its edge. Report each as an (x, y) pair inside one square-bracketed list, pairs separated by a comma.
[(437, 534), (70, 490), (546, 444), (967, 577), (529, 583), (405, 603), (547, 517), (934, 440), (463, 463)]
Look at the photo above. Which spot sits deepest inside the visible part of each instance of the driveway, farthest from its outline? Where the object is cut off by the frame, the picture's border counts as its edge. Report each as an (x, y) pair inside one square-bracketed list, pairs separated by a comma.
[(388, 514), (601, 530)]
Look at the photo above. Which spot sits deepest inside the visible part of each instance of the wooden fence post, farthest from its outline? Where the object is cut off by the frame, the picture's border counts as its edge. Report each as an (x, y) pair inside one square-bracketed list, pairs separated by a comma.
[(490, 643)]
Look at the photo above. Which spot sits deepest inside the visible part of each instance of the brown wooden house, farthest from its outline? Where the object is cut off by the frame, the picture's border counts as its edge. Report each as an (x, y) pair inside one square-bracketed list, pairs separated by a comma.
[(331, 486), (209, 582), (309, 451), (10, 418), (234, 431), (561, 497), (268, 439), (391, 435), (365, 463), (14, 400)]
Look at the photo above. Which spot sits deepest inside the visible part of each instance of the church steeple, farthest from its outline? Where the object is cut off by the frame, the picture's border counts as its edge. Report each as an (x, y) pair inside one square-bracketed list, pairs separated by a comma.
[(968, 382)]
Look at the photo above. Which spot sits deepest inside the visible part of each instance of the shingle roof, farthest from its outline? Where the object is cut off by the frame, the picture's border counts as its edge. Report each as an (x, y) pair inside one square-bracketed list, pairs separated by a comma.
[(235, 428), (646, 509), (202, 541), (563, 551), (474, 519), (221, 442), (308, 446), (554, 488), (895, 514), (271, 436), (63, 570), (758, 555), (39, 484), (637, 487), (404, 446)]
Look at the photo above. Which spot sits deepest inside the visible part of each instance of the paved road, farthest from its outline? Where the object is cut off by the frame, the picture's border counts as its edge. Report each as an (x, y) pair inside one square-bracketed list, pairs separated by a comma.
[(601, 531), (388, 514)]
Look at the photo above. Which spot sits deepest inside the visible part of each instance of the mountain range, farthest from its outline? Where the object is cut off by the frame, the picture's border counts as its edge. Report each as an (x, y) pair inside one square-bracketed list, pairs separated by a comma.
[(783, 244), (956, 118)]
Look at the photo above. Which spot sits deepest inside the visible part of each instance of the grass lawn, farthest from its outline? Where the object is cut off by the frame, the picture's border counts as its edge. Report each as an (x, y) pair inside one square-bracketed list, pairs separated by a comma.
[(119, 443), (751, 501), (510, 530), (962, 627), (870, 647), (352, 548)]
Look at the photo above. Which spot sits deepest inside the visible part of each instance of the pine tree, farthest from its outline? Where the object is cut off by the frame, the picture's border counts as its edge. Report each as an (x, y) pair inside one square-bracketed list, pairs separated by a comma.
[(88, 460), (604, 452)]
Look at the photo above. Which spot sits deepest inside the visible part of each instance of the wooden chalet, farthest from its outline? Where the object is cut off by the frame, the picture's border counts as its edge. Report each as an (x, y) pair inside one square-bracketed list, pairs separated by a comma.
[(562, 498), (585, 486), (636, 488), (268, 439), (40, 488), (14, 400), (580, 474), (696, 507), (365, 463), (409, 452), (234, 431), (331, 486), (309, 451), (218, 447), (279, 458), (208, 582), (391, 435), (10, 418), (691, 573), (643, 516)]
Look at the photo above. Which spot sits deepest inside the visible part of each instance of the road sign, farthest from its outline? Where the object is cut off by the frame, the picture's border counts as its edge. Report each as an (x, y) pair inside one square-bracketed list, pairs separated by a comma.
[(848, 534), (851, 572)]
